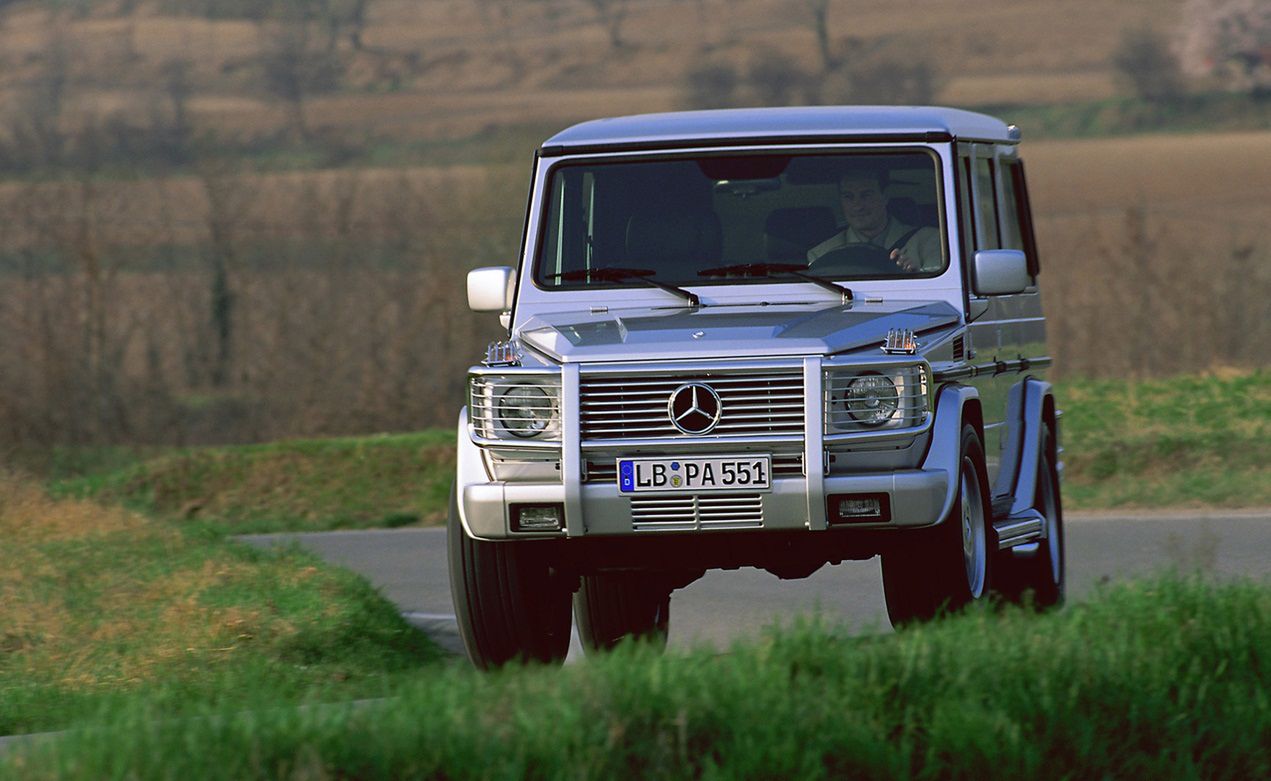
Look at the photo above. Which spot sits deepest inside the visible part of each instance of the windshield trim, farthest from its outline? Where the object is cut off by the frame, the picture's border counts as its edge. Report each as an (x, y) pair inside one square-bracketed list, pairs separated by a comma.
[(571, 160)]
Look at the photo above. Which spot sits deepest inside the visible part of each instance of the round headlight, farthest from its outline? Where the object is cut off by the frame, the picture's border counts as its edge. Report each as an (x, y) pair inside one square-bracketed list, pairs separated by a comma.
[(526, 410), (871, 399)]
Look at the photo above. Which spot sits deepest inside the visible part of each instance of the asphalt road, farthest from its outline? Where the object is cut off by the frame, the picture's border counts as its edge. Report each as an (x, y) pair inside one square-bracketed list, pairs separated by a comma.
[(409, 566)]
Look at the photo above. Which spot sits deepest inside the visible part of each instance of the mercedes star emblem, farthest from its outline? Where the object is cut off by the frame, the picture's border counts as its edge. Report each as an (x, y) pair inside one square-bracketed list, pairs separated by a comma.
[(694, 408)]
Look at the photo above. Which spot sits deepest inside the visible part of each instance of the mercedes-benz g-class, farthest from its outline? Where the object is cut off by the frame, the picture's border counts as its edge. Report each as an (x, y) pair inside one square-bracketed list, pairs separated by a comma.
[(776, 338)]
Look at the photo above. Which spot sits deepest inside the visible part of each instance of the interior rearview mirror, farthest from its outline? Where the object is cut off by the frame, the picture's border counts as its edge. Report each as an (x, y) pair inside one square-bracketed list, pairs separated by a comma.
[(490, 288), (1000, 272)]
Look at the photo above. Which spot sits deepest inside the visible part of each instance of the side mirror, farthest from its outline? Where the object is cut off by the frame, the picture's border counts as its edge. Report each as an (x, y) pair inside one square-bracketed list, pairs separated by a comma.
[(490, 289), (999, 272)]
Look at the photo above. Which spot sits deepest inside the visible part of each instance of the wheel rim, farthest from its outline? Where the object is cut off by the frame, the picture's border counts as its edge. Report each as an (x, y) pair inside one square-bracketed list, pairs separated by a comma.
[(974, 553)]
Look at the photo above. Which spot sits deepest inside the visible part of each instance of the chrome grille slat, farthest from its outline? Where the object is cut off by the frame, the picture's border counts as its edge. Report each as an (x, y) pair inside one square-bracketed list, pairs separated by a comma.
[(767, 401), (724, 380), (736, 402)]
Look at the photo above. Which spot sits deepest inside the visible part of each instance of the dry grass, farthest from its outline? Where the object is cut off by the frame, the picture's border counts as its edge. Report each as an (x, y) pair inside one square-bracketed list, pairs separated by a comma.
[(453, 67), (97, 601), (342, 285)]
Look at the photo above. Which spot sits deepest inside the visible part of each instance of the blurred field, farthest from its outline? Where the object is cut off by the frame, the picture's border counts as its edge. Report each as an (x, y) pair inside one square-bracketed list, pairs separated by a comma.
[(229, 306), (452, 67)]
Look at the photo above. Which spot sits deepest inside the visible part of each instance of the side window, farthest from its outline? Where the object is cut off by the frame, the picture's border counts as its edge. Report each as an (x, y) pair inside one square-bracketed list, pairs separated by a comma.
[(986, 205), (967, 217), (1017, 227)]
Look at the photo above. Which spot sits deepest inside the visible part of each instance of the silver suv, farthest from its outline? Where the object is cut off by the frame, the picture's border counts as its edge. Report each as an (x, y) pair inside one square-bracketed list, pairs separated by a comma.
[(776, 338)]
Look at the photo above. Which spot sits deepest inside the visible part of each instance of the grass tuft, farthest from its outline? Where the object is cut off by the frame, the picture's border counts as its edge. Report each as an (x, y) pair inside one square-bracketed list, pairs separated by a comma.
[(1163, 678)]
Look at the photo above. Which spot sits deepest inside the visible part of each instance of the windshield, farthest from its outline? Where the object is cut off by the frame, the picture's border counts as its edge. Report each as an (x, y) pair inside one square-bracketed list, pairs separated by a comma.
[(742, 218)]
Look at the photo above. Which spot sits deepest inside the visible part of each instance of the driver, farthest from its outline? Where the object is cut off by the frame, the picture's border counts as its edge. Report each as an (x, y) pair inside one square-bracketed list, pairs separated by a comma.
[(861, 193)]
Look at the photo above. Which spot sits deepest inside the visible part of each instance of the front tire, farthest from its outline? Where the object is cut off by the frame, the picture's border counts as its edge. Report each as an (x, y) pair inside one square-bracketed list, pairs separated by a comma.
[(948, 566), (610, 607), (509, 604)]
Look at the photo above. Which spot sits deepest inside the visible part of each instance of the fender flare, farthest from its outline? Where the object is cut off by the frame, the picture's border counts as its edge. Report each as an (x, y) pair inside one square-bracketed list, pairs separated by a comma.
[(955, 405), (1038, 411)]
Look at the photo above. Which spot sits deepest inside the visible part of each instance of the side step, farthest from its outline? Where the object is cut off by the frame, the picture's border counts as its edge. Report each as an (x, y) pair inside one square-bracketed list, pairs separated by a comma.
[(1018, 529)]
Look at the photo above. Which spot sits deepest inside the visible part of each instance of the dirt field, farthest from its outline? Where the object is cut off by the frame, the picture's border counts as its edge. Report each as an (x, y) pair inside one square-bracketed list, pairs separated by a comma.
[(451, 67)]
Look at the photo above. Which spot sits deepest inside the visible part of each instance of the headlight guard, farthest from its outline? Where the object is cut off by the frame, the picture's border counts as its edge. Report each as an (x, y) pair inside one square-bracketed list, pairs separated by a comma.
[(874, 398)]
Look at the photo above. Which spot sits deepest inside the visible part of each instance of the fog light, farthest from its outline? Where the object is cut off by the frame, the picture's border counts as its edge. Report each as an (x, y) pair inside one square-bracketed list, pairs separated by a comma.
[(858, 508), (537, 517)]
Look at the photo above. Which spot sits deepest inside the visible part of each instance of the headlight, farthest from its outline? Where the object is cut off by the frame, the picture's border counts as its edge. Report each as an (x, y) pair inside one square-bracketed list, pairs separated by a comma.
[(525, 410), (858, 399), (872, 399), (515, 407)]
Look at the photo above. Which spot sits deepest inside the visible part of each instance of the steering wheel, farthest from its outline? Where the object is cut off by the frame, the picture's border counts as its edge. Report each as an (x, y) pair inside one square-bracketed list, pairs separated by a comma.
[(861, 258)]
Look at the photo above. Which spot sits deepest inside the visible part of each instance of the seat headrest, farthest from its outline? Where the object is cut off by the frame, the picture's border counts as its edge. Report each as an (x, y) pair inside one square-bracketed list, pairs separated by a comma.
[(909, 212)]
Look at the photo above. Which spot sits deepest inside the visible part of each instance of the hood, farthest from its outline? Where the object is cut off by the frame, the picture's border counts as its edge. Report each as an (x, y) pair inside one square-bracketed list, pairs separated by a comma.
[(749, 331)]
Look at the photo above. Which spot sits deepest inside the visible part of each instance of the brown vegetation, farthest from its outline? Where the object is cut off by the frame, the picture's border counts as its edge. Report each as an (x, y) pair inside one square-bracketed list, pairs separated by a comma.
[(258, 309), (231, 307), (453, 67), (195, 300)]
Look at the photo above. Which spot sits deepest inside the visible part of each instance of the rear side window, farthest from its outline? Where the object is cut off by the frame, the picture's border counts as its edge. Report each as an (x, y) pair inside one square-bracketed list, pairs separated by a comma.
[(1017, 227)]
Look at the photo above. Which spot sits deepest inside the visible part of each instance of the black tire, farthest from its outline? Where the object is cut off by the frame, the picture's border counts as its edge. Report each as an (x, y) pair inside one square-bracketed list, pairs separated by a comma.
[(509, 605), (946, 567), (1035, 574), (611, 607)]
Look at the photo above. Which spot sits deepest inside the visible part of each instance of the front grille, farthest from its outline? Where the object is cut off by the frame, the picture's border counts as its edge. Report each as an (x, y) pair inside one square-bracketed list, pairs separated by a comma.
[(605, 470), (635, 407), (696, 513)]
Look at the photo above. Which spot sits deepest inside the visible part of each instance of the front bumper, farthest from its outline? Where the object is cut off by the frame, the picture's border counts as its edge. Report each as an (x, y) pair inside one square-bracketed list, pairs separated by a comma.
[(916, 498)]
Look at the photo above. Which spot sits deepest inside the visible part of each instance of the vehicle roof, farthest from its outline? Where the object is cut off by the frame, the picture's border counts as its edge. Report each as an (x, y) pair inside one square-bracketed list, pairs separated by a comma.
[(730, 126)]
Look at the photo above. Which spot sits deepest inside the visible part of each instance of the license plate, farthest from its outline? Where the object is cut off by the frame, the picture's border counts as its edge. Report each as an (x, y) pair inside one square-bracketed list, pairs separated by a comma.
[(716, 473)]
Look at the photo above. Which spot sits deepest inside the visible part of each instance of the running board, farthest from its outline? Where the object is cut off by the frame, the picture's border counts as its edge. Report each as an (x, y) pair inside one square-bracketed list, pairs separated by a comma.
[(1019, 529)]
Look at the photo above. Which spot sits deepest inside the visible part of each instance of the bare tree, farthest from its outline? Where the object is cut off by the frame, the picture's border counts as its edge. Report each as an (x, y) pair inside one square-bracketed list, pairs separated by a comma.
[(611, 14), (775, 79), (1144, 60), (294, 70), (819, 16), (177, 89), (356, 22), (710, 84), (227, 206)]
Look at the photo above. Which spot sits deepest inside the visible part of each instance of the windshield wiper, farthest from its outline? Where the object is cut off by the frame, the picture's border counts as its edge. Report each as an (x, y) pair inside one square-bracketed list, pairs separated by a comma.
[(620, 273), (768, 269)]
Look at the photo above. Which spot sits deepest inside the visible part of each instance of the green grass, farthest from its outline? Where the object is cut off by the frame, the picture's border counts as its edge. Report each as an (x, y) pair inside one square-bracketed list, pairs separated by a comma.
[(309, 485), (1195, 441), (101, 606), (1160, 679)]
